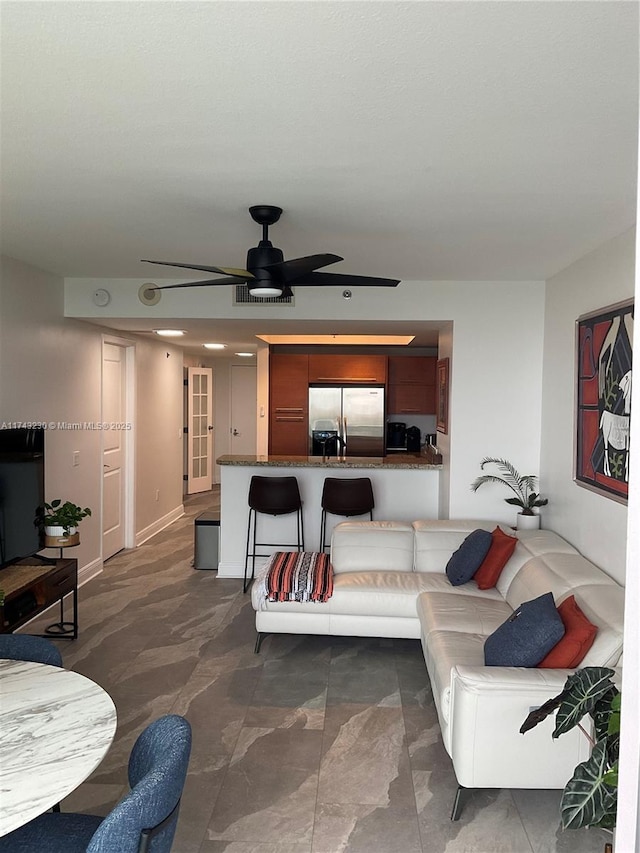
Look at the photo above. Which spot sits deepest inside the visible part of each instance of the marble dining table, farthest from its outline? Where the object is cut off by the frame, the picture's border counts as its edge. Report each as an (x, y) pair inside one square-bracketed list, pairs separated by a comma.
[(55, 728)]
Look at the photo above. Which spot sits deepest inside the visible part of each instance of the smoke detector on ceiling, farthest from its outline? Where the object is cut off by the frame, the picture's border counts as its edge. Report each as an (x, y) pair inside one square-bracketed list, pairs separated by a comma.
[(101, 297)]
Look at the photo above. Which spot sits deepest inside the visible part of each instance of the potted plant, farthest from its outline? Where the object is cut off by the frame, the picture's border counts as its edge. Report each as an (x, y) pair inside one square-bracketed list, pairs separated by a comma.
[(590, 797), (522, 485), (58, 522)]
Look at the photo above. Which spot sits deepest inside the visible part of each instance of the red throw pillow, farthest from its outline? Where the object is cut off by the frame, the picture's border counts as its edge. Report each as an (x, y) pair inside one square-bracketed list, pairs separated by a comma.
[(502, 547), (579, 635)]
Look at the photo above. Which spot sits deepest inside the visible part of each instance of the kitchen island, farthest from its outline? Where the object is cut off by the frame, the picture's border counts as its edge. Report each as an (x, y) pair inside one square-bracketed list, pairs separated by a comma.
[(405, 488)]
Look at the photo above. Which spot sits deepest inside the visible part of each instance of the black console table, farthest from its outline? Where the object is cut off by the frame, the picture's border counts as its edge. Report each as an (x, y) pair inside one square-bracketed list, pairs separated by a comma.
[(30, 587)]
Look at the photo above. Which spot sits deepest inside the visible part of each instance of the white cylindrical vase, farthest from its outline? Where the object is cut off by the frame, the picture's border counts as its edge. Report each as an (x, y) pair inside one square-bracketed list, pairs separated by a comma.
[(527, 522), (55, 537)]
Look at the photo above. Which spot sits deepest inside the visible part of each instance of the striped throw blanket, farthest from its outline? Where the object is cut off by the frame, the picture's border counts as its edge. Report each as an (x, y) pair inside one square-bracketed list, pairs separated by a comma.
[(298, 576)]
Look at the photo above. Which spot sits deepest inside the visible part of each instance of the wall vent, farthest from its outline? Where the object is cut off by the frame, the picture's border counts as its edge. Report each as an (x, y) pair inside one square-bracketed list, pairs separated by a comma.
[(241, 296)]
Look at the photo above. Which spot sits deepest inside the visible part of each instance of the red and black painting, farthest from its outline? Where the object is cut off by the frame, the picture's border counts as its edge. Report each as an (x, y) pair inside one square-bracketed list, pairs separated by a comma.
[(604, 355)]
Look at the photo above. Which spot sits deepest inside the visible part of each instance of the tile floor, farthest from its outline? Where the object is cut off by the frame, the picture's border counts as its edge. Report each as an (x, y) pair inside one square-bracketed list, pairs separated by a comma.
[(316, 745)]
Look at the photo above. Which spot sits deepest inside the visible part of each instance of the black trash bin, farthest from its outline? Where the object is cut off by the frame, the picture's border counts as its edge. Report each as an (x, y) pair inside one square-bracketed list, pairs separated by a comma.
[(207, 540)]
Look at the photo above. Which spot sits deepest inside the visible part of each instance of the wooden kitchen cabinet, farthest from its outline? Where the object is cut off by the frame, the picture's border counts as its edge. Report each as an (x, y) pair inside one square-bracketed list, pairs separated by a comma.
[(346, 369), (411, 399), (412, 370), (288, 404), (412, 385)]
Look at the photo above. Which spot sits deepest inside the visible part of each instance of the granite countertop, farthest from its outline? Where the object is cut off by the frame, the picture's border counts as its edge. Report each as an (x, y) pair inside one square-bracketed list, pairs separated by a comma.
[(398, 461)]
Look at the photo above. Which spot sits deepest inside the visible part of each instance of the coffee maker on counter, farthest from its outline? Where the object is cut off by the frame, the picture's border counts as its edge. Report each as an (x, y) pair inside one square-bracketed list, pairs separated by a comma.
[(396, 435), (413, 440)]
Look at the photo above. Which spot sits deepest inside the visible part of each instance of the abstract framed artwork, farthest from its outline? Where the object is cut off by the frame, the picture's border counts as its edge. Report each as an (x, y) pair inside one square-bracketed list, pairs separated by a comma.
[(604, 351), (442, 395)]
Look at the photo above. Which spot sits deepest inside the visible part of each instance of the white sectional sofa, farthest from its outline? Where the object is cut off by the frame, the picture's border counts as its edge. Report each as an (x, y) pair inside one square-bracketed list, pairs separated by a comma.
[(390, 581)]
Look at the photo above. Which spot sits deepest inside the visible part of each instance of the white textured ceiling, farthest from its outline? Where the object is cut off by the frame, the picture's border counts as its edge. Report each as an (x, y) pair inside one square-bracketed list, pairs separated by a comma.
[(420, 140)]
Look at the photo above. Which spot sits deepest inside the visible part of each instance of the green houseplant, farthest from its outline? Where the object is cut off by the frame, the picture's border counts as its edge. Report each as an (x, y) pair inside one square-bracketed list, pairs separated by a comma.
[(590, 797), (523, 486), (66, 515)]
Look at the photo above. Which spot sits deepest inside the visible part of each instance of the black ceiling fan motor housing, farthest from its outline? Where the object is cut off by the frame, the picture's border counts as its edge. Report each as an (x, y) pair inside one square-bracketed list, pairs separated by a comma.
[(262, 255)]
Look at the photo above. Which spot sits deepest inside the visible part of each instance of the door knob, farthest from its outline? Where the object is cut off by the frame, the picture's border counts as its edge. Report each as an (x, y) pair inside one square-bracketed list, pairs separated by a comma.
[(209, 428), (235, 432)]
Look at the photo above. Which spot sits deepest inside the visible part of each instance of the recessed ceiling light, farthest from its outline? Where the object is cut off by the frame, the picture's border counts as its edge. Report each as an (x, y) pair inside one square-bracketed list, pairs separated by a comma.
[(213, 346), (169, 333), (245, 354)]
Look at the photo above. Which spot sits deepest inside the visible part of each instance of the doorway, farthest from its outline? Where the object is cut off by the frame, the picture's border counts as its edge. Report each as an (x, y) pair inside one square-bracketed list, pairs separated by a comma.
[(199, 429), (117, 445), (243, 431)]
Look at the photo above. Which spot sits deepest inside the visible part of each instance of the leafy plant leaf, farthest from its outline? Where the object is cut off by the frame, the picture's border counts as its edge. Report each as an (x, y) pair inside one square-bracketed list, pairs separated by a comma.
[(601, 713), (587, 798), (585, 687), (539, 714), (522, 485), (614, 718)]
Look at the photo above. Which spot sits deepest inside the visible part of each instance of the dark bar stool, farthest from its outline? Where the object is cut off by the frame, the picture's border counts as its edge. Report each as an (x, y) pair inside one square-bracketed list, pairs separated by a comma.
[(348, 497), (271, 496)]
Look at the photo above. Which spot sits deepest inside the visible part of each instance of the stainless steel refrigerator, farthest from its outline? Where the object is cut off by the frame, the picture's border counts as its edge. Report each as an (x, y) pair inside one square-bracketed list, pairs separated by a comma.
[(346, 420)]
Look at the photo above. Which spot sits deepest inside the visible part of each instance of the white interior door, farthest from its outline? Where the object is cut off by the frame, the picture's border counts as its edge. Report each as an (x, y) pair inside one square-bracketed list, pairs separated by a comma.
[(243, 439), (114, 449), (200, 430)]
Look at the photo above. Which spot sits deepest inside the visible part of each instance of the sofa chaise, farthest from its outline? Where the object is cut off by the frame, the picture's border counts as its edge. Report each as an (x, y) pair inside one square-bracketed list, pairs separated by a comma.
[(390, 581)]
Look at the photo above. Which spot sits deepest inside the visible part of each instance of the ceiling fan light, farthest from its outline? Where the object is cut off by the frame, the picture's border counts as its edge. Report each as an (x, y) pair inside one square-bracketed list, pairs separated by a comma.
[(264, 291)]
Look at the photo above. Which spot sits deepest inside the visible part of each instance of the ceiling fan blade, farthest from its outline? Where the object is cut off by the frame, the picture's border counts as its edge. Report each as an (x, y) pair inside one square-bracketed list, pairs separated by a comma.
[(318, 278), (295, 268), (208, 283), (238, 273)]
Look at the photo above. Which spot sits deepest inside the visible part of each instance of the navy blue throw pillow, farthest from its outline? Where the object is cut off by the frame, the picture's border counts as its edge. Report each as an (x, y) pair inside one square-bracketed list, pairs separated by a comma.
[(466, 561), (527, 636)]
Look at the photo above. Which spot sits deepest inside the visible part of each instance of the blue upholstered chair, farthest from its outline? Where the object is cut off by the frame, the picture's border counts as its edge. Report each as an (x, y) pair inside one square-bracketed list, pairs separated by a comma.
[(27, 647), (144, 821)]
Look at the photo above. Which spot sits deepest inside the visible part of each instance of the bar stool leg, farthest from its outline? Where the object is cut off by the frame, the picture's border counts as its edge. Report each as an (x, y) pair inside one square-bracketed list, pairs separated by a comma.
[(323, 528), (246, 557), (300, 530)]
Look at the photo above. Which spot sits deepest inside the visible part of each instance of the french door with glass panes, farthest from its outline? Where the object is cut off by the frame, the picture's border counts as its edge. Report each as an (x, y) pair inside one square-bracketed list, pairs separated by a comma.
[(200, 429)]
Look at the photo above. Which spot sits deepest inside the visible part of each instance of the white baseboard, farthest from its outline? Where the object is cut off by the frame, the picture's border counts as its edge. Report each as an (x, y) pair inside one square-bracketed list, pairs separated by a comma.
[(143, 535), (91, 570)]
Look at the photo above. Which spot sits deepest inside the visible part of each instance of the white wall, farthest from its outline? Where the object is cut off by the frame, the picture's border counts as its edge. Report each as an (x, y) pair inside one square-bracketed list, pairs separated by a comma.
[(50, 370), (443, 439), (159, 414), (594, 524), (496, 367)]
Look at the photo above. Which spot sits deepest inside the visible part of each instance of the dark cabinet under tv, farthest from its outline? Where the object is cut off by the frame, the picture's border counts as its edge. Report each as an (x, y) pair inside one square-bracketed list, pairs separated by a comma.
[(31, 586)]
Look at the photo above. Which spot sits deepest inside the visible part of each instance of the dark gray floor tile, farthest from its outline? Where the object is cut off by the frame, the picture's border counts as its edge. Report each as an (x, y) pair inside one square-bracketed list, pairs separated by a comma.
[(540, 813), (269, 792), (355, 828), (364, 754), (252, 847), (364, 673)]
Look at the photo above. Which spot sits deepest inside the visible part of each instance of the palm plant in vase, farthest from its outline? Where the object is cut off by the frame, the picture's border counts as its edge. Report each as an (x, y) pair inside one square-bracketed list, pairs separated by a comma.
[(523, 487)]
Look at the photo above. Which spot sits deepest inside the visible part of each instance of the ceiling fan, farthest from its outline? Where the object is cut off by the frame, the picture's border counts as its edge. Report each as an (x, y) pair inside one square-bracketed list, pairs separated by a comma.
[(268, 274)]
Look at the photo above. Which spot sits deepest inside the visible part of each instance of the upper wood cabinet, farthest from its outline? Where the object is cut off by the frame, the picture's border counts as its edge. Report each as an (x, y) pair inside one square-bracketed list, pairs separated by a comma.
[(288, 404), (412, 370), (412, 385), (344, 369)]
